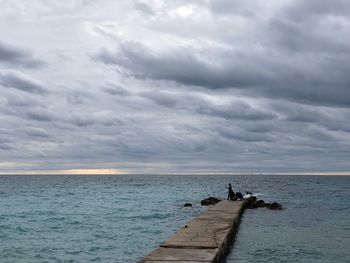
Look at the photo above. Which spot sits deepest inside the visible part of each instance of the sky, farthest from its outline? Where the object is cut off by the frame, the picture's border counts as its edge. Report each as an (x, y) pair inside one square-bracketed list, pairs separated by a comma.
[(178, 86)]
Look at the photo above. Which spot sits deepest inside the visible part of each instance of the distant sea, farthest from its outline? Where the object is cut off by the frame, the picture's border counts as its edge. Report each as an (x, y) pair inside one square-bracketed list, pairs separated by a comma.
[(103, 218)]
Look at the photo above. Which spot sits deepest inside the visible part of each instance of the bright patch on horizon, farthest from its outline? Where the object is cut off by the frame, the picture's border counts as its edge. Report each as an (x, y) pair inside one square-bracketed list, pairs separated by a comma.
[(92, 171)]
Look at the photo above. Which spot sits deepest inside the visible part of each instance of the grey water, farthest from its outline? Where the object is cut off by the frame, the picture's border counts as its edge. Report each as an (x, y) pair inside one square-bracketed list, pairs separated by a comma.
[(70, 218)]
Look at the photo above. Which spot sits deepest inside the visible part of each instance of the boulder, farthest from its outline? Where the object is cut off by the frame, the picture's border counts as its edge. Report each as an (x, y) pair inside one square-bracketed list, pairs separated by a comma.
[(251, 202), (187, 205), (260, 203), (210, 201), (274, 206)]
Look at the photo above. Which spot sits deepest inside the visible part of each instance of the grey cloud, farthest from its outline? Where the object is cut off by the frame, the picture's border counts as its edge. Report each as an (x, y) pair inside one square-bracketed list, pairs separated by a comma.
[(292, 59), (261, 126), (163, 99), (144, 8), (238, 7), (21, 99), (305, 115), (297, 9), (113, 89), (5, 146), (6, 143), (265, 76), (78, 97), (294, 36), (18, 80), (185, 67), (320, 134), (196, 103), (335, 119), (18, 57), (242, 135), (102, 118), (41, 115), (238, 111), (36, 132)]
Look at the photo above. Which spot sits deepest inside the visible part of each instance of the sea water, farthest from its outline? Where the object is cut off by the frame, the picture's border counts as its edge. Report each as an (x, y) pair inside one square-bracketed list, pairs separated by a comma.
[(70, 218)]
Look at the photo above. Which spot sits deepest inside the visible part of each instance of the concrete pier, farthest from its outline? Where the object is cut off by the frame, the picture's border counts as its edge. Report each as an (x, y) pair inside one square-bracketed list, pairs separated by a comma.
[(206, 238)]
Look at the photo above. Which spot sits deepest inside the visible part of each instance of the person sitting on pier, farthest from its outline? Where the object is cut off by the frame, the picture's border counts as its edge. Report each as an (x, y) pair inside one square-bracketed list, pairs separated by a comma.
[(239, 196)]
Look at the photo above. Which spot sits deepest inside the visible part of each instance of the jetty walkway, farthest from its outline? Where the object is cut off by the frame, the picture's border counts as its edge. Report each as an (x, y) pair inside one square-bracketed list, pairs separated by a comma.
[(206, 238)]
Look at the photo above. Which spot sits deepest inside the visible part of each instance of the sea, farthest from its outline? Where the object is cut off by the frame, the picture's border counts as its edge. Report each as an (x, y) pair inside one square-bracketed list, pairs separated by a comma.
[(121, 218)]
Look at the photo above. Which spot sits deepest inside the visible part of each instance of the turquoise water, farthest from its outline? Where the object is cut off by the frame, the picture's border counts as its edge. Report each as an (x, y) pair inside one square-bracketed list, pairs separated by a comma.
[(122, 218)]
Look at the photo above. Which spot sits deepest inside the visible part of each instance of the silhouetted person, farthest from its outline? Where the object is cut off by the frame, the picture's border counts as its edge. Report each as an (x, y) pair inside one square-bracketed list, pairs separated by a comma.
[(231, 194), (229, 191)]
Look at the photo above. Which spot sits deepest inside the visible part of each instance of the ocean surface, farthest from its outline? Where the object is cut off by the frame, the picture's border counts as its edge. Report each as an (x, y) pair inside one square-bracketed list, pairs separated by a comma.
[(105, 218)]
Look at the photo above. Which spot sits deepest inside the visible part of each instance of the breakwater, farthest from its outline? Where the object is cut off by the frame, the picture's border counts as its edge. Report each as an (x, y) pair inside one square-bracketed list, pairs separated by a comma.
[(206, 238)]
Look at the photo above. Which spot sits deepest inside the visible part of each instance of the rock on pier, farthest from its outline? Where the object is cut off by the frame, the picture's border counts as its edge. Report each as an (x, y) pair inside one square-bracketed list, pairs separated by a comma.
[(206, 238)]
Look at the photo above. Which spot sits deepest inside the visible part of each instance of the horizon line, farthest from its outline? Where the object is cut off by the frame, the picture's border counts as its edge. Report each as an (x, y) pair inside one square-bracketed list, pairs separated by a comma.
[(123, 172)]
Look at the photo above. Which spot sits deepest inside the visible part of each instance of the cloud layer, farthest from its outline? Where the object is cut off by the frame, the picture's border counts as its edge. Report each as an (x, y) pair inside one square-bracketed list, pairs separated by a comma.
[(175, 86)]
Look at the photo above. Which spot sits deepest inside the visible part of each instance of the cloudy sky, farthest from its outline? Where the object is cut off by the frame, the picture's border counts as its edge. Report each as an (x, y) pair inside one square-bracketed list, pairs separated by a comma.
[(145, 86)]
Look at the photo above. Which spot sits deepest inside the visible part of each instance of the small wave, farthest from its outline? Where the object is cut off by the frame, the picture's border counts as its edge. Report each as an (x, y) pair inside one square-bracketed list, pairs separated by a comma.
[(150, 216), (341, 209), (93, 249), (75, 252), (57, 218), (4, 227), (47, 250), (75, 222), (21, 229), (55, 227), (38, 256)]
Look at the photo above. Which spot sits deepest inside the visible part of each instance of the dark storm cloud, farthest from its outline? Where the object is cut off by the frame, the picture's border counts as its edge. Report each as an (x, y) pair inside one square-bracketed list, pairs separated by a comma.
[(325, 81), (18, 80), (185, 67), (294, 59), (18, 57)]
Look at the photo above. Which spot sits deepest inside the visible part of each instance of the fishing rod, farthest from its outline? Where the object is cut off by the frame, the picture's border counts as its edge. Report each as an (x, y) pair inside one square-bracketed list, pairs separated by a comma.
[(205, 189), (215, 193)]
